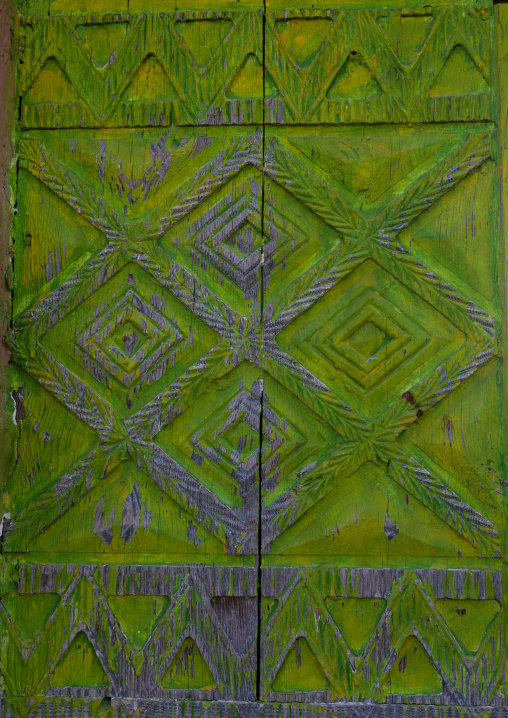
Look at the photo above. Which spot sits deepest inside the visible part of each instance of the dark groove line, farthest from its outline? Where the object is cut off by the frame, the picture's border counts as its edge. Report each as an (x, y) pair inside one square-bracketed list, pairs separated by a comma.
[(261, 319)]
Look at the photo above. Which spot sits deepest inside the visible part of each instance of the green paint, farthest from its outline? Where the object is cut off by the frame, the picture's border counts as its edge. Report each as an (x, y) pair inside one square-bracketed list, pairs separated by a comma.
[(344, 523), (303, 37), (320, 338), (79, 667), (468, 620), (30, 613), (101, 39), (413, 672), (354, 81), (356, 619), (300, 671), (150, 83), (407, 31), (203, 37), (459, 75), (248, 82), (268, 608), (51, 76), (138, 615), (188, 669), (256, 284)]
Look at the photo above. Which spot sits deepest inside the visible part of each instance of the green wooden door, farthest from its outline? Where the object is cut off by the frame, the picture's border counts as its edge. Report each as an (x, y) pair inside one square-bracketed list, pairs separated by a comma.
[(258, 323)]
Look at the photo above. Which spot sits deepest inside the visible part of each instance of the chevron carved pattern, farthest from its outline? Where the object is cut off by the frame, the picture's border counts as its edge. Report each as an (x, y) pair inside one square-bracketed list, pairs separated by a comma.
[(360, 650), (379, 65), (257, 357), (178, 605), (356, 68), (149, 47)]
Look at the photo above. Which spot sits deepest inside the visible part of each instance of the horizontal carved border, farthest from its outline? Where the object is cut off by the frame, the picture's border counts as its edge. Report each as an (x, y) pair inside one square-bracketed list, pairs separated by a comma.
[(218, 608), (65, 708)]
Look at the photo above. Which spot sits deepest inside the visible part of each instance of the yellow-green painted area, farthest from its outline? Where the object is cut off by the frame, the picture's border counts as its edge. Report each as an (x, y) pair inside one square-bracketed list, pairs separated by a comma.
[(188, 669), (468, 619), (30, 613), (300, 671), (413, 672), (256, 330), (80, 666), (356, 619), (138, 615)]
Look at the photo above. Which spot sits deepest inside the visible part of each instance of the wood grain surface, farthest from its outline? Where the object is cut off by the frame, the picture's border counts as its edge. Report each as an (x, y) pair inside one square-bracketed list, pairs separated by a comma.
[(255, 443)]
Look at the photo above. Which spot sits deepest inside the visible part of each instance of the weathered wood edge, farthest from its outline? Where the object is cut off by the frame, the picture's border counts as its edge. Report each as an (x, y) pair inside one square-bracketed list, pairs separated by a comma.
[(8, 50), (501, 65), (8, 184), (364, 4), (60, 7), (79, 708)]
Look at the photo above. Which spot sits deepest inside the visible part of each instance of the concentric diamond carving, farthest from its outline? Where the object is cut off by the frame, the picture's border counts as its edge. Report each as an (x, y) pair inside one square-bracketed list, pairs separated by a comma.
[(234, 443), (220, 446), (252, 322), (294, 441), (221, 239), (252, 344), (366, 330), (130, 339), (368, 338), (228, 242)]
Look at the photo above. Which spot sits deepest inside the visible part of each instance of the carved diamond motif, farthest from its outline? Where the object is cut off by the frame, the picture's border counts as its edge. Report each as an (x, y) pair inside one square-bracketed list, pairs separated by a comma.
[(294, 442), (282, 444), (224, 241), (232, 440), (368, 339), (368, 329), (221, 239), (218, 443), (127, 340), (130, 340), (367, 343)]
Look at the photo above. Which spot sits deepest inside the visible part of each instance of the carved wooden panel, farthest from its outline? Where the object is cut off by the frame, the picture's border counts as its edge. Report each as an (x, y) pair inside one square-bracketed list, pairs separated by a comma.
[(127, 318), (372, 340), (258, 324), (142, 633), (384, 635), (422, 64), (128, 70)]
